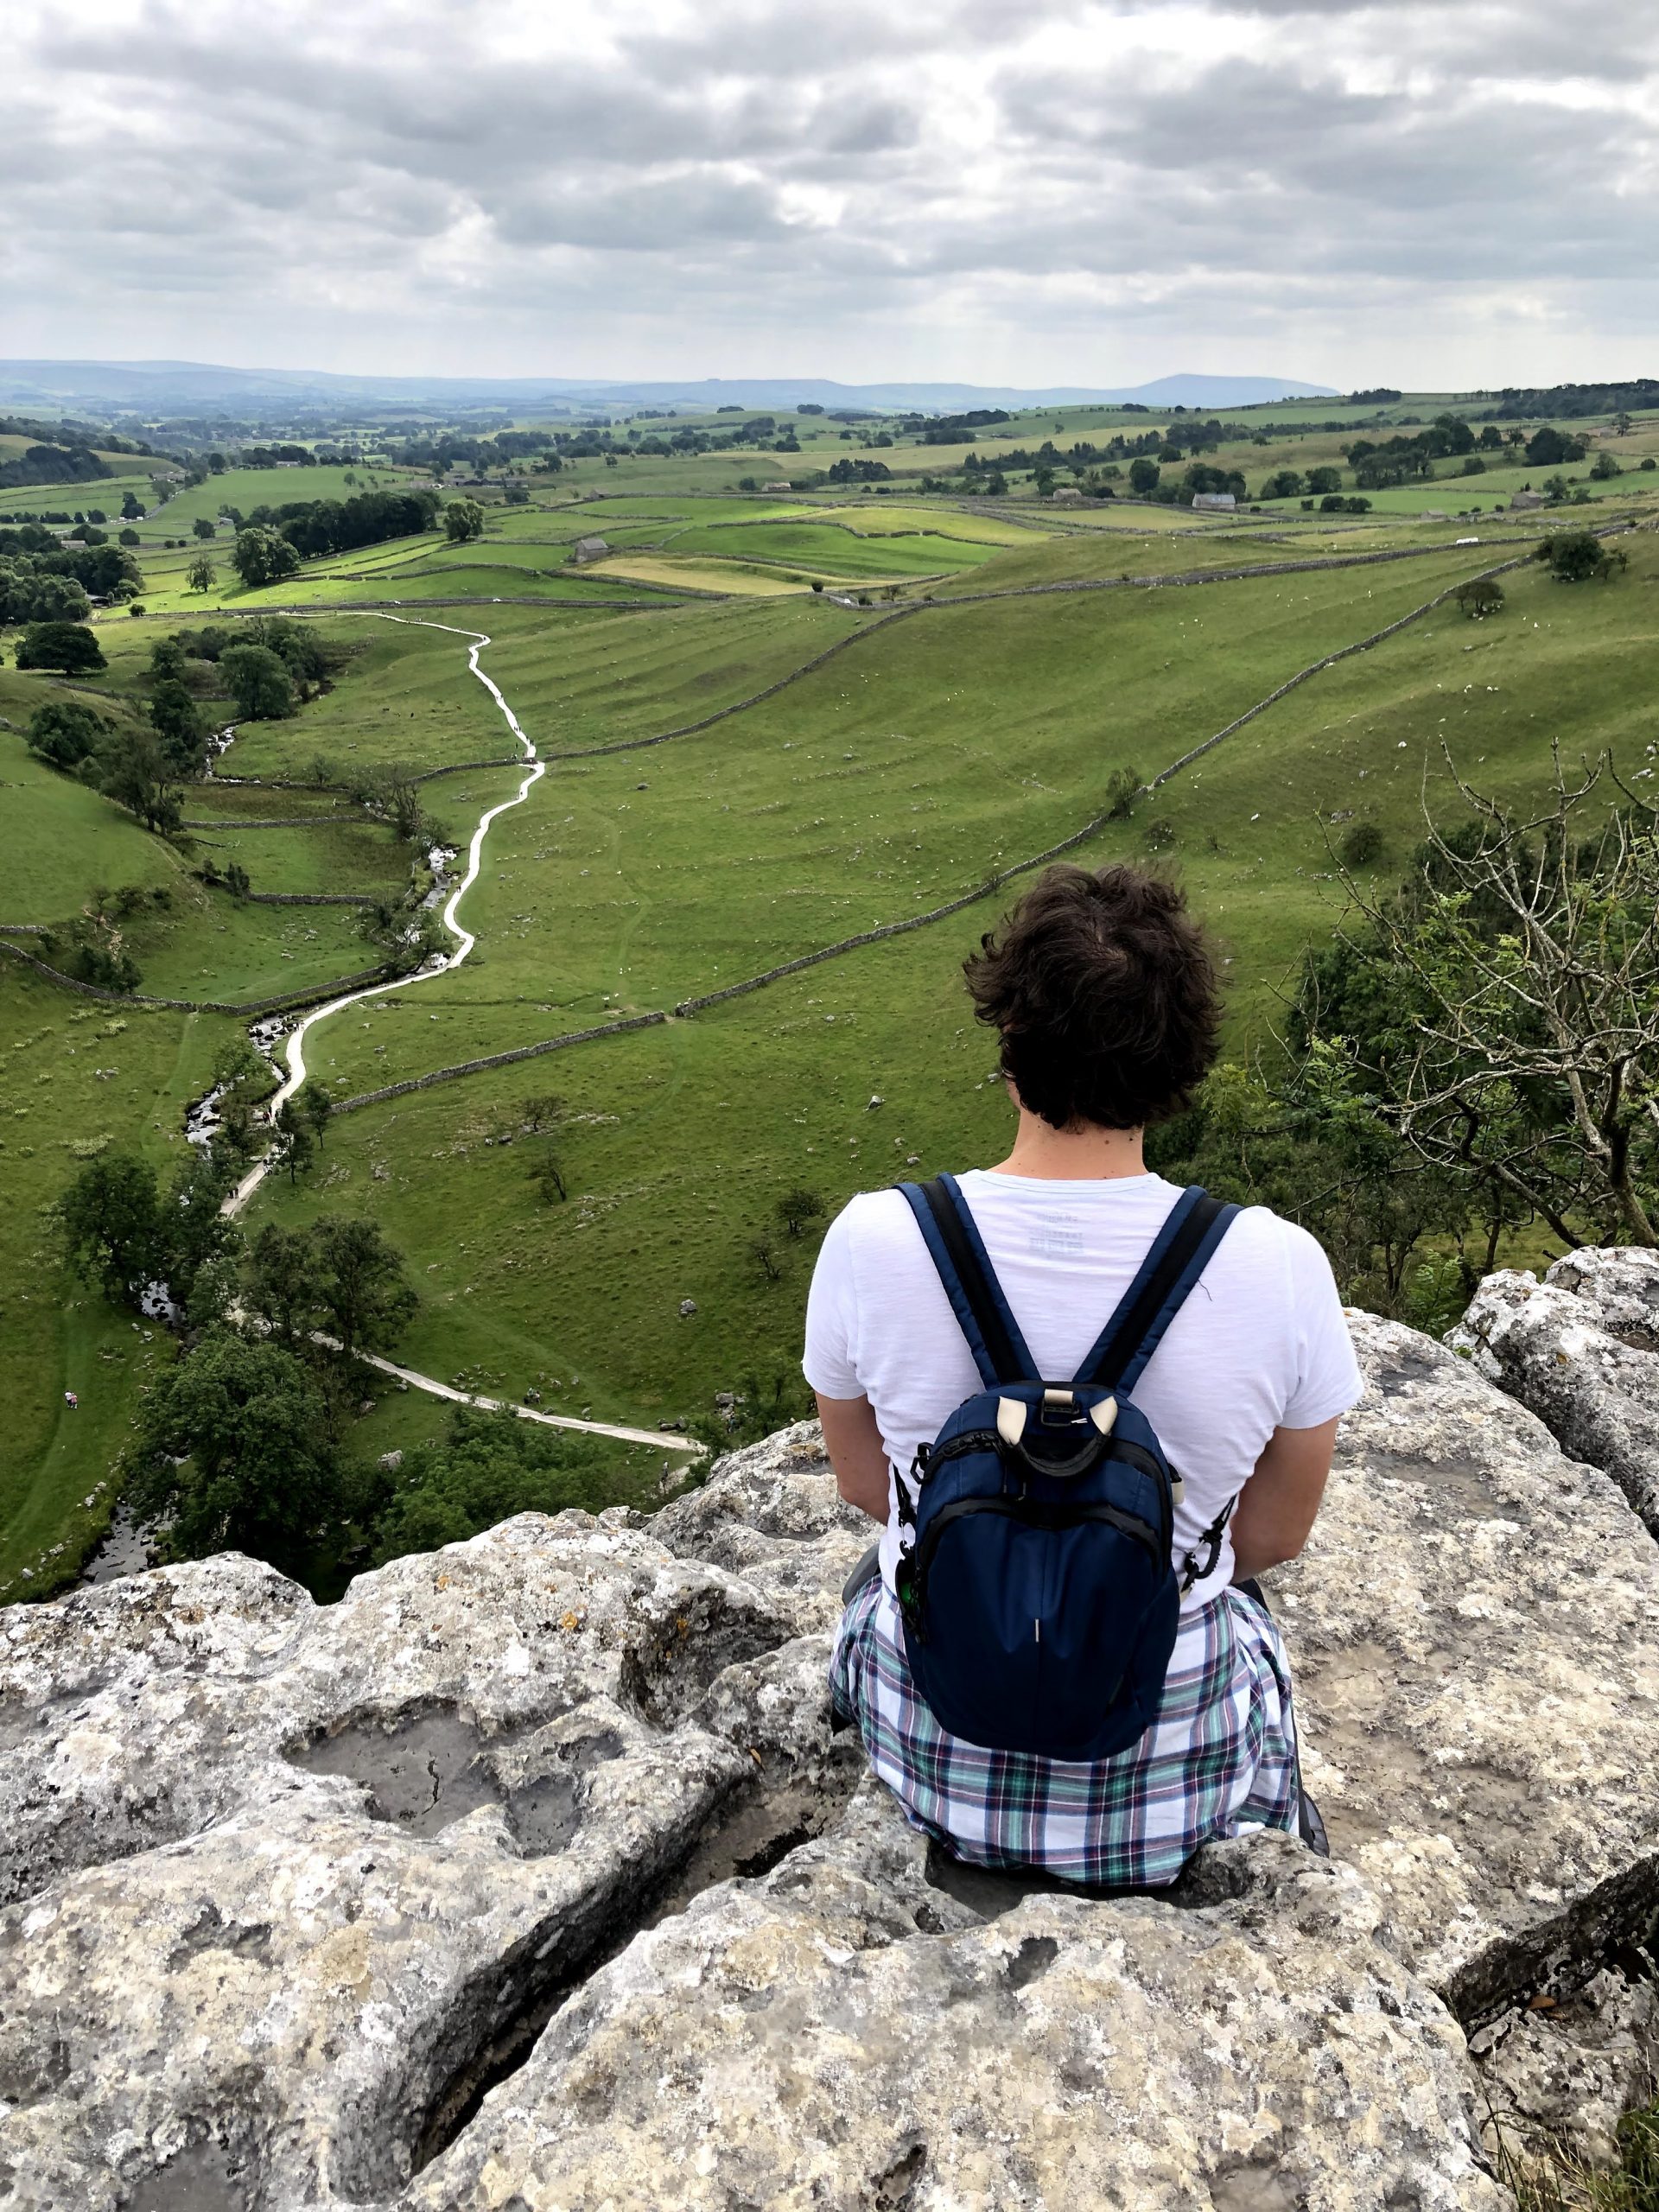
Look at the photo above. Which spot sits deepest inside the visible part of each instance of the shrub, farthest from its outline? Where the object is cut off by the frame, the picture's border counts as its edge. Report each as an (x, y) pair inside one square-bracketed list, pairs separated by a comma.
[(1362, 845)]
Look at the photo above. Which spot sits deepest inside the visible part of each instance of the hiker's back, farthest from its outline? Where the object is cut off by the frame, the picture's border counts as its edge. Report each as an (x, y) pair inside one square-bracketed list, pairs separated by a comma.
[(1259, 1345)]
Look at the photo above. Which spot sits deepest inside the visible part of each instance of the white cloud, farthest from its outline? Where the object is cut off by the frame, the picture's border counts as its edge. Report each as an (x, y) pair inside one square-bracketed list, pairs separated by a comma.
[(1438, 195)]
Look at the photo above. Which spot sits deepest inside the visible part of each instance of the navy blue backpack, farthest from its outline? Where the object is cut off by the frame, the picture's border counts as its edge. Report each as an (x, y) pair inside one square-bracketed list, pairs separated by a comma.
[(1040, 1601)]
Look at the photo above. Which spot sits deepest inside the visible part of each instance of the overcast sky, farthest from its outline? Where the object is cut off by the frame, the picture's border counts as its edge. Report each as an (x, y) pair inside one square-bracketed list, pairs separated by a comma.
[(1027, 191)]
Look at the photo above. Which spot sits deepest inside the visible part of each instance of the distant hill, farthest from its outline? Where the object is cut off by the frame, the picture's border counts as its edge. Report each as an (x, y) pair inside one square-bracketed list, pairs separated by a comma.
[(202, 387)]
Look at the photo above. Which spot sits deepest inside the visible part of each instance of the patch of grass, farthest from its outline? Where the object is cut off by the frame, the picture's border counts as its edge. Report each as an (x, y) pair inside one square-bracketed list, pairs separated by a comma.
[(77, 1077)]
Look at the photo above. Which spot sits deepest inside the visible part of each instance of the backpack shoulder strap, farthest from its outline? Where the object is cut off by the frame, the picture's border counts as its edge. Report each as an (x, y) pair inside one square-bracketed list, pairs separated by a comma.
[(958, 1252), (1179, 1254)]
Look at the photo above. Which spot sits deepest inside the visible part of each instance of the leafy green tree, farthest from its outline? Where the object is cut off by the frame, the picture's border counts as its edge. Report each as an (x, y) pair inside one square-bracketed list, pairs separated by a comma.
[(292, 1148), (201, 576), (65, 646), (364, 1295), (487, 1469), (1123, 787), (1500, 1015), (132, 511), (1480, 597), (235, 1452), (798, 1208), (313, 1105), (1285, 483), (463, 519), (1143, 476), (1324, 479), (1362, 845), (65, 733), (282, 1283), (177, 721), (263, 555), (128, 538), (110, 1219), (204, 527), (193, 1230), (1574, 557), (138, 770), (1549, 447), (259, 682)]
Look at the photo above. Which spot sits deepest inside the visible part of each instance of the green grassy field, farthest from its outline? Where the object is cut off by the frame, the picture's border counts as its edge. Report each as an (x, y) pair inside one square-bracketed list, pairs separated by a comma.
[(932, 747)]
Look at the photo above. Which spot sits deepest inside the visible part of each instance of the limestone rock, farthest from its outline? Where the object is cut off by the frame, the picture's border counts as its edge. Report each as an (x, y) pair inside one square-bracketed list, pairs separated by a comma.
[(1581, 1350), (1474, 1635), (842, 2034), (1564, 2076), (311, 1877), (770, 1513)]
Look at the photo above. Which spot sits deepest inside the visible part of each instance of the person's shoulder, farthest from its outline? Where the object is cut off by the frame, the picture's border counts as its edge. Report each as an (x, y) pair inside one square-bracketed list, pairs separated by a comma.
[(874, 1218), (1259, 1237)]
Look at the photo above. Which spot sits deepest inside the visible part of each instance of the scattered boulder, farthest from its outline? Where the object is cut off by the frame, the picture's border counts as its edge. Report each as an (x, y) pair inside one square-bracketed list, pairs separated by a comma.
[(688, 1307), (1581, 1350)]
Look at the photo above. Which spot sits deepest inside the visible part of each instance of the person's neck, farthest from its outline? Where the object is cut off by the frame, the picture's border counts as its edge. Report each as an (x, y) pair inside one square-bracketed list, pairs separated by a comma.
[(1086, 1154)]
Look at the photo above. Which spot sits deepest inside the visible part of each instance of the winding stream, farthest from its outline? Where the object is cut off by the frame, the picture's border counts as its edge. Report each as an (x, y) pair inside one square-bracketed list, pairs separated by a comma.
[(295, 1056)]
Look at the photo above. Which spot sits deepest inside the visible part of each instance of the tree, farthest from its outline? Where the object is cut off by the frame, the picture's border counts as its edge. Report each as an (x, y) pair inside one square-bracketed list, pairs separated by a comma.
[(548, 1176), (201, 575), (110, 1219), (1287, 484), (177, 721), (136, 770), (1519, 1044), (313, 1105), (66, 733), (259, 682), (132, 511), (1362, 845), (235, 1452), (487, 1469), (205, 528), (463, 519), (194, 1233), (1480, 597), (1549, 447), (1123, 788), (362, 1291), (263, 555), (764, 1253), (1143, 476), (128, 538), (292, 1147), (1574, 556), (1320, 480), (798, 1209), (281, 1283), (62, 645), (1605, 466)]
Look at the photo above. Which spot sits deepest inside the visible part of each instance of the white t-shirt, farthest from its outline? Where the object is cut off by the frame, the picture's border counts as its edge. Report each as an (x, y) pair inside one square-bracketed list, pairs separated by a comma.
[(1260, 1342)]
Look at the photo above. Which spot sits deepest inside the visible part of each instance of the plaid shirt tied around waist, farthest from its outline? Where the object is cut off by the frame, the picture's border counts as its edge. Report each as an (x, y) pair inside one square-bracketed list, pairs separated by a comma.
[(1221, 1755)]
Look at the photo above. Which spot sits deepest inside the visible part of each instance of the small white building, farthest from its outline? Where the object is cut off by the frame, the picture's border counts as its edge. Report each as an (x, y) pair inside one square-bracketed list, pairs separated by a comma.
[(589, 549), (777, 487), (1215, 503)]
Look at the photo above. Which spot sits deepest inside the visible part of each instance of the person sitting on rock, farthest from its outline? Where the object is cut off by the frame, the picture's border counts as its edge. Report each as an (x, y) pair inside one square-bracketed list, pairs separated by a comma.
[(1103, 991)]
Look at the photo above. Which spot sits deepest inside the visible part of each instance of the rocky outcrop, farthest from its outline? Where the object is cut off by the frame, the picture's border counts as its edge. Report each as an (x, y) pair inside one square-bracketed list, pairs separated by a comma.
[(1581, 1350), (531, 1875)]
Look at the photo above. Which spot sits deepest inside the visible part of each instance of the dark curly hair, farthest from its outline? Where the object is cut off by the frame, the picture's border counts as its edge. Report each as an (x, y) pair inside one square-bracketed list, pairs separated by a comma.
[(1103, 991)]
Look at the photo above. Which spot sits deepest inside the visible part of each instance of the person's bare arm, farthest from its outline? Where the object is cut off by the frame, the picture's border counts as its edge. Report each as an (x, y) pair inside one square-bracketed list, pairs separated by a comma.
[(854, 1443), (1278, 1505)]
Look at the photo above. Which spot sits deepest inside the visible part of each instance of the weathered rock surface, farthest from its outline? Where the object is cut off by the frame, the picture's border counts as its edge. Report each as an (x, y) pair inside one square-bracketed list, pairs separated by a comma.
[(294, 1885), (843, 2034), (319, 1870), (1581, 1351), (1563, 2075), (1474, 1629)]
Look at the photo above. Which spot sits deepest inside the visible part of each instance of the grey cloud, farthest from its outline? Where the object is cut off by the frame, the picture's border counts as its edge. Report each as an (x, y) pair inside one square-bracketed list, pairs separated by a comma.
[(182, 178)]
